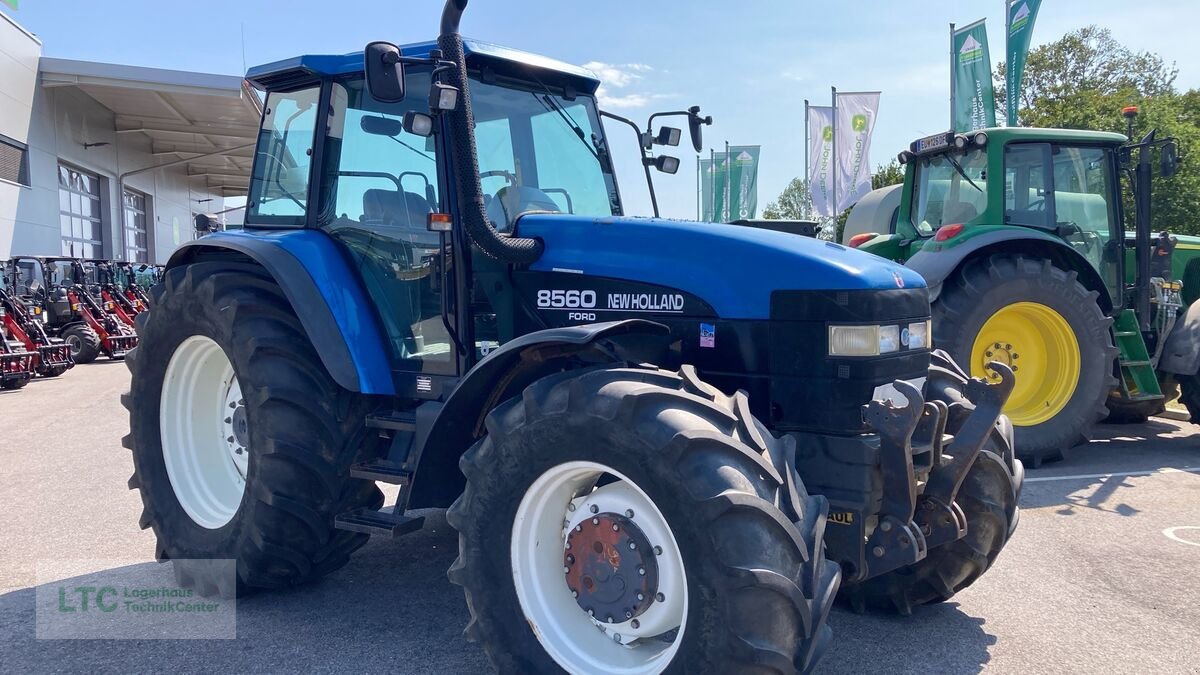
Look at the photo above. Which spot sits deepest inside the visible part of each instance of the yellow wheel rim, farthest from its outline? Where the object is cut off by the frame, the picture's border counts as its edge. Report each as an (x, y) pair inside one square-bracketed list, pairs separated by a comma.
[(1041, 348)]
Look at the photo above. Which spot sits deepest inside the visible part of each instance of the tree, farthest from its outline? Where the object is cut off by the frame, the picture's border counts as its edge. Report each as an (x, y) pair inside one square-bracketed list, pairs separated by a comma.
[(794, 203), (1084, 79), (887, 174)]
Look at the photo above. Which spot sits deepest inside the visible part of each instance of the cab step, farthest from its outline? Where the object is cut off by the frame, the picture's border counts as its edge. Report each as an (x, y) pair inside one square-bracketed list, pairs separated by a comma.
[(382, 522), (394, 421), (383, 471)]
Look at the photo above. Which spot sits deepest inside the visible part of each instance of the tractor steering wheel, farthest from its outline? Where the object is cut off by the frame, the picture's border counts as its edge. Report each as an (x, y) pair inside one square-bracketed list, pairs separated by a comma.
[(1036, 205), (500, 173)]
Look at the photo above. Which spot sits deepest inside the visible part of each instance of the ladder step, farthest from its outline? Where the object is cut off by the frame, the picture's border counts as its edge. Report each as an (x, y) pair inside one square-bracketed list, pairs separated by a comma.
[(1125, 333), (396, 421), (382, 471), (1134, 364), (383, 522)]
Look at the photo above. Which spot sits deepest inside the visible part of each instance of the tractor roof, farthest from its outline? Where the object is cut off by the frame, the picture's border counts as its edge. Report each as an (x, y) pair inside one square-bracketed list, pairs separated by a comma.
[(1007, 134), (302, 69)]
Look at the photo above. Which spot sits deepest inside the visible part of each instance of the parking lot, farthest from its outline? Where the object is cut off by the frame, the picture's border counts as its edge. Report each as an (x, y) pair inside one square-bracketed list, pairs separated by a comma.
[(1102, 575)]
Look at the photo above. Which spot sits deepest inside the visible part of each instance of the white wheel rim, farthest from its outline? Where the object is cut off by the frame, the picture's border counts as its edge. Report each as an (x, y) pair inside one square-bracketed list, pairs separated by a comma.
[(557, 502), (203, 432)]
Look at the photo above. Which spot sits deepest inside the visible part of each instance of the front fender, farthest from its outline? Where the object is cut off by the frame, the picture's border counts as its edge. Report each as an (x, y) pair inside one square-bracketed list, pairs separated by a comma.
[(1181, 353), (326, 294), (504, 374)]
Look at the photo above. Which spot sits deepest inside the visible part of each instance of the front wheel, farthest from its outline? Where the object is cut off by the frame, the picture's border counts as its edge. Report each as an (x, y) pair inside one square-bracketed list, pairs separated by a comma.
[(1041, 322), (634, 521), (84, 343)]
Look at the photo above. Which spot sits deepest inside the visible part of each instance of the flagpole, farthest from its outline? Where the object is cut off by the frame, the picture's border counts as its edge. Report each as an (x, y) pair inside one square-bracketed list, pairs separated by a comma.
[(833, 153), (807, 168), (728, 176), (1008, 90), (712, 186), (952, 77)]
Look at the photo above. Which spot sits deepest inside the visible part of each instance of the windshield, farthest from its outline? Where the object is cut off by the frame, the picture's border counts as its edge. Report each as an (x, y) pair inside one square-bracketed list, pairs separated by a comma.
[(944, 195)]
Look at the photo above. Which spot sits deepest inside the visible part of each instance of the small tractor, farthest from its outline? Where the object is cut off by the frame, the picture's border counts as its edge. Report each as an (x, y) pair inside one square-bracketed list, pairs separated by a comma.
[(128, 278), (70, 300), (22, 322), (1022, 236), (17, 364), (108, 288), (664, 444)]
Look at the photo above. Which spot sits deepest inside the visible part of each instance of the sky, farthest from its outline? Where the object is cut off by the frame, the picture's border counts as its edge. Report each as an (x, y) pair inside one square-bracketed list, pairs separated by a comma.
[(750, 64)]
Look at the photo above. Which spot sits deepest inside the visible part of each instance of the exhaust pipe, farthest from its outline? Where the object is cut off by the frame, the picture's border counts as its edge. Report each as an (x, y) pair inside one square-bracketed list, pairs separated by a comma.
[(511, 250)]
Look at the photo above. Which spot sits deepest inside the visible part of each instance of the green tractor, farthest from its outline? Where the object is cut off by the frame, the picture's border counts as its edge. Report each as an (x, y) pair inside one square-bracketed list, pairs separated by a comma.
[(1021, 235)]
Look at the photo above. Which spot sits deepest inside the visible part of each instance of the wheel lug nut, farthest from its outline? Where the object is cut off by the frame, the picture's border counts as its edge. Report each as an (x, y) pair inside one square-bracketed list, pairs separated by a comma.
[(570, 506), (1016, 356), (232, 404), (616, 637), (570, 559), (616, 527), (594, 508), (640, 597), (635, 624), (641, 570), (228, 420), (628, 513), (628, 614), (989, 354), (595, 521), (578, 528), (1008, 346), (657, 550), (660, 597), (574, 593), (609, 619), (632, 546), (878, 551), (591, 612), (566, 569), (229, 440), (997, 345)]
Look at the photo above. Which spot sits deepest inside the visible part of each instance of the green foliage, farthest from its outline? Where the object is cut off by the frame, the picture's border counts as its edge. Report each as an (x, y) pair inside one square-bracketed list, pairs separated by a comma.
[(1083, 80), (794, 203), (887, 174)]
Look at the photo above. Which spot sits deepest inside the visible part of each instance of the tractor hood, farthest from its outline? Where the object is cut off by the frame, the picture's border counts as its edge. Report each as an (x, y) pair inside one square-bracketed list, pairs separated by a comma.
[(733, 268)]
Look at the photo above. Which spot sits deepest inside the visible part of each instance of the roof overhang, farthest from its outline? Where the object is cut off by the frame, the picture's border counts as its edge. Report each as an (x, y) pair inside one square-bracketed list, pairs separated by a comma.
[(207, 123)]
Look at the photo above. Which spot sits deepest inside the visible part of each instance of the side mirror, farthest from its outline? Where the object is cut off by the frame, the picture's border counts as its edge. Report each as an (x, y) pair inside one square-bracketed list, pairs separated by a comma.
[(666, 164), (1168, 160), (381, 126), (385, 72), (695, 121)]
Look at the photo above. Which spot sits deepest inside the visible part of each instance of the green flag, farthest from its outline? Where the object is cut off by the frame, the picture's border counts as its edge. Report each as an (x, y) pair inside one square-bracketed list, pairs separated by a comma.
[(743, 182), (712, 188), (973, 105), (1021, 15), (11, 3)]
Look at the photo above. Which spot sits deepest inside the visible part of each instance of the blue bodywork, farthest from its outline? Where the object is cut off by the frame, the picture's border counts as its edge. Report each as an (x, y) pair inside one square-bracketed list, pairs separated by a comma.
[(327, 295), (732, 267), (322, 65)]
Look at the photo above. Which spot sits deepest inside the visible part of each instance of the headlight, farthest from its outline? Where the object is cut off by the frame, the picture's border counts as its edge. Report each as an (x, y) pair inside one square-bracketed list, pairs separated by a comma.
[(918, 335), (863, 340)]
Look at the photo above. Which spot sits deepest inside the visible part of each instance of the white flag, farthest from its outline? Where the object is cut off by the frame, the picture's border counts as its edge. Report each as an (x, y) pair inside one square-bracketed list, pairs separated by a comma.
[(855, 122), (820, 159)]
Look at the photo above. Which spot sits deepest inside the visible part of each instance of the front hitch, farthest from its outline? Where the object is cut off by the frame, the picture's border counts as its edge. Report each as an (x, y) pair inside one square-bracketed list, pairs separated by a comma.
[(912, 522)]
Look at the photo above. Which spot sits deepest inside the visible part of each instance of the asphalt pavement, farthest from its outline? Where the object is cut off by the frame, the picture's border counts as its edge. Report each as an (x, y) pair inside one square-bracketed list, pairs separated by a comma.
[(1103, 574)]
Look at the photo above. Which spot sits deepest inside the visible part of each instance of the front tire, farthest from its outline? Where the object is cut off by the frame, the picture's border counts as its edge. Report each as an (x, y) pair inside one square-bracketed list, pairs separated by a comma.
[(241, 441), (738, 544), (84, 343), (1040, 321)]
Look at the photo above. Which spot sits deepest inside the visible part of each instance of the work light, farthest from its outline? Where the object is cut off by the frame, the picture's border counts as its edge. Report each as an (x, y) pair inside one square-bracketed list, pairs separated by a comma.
[(863, 340), (918, 335)]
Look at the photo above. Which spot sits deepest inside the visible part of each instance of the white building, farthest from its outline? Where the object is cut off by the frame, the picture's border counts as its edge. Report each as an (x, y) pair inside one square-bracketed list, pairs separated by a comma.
[(107, 161)]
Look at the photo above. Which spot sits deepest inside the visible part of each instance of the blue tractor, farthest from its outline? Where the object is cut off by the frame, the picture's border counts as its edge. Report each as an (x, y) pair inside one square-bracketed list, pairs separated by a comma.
[(664, 444)]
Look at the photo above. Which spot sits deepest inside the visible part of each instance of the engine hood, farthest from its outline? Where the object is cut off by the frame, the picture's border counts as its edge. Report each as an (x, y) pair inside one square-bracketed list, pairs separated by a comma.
[(734, 268)]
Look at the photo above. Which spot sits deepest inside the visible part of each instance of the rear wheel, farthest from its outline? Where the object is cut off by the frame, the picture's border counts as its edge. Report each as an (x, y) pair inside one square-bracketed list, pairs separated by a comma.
[(84, 343), (241, 441), (1189, 395), (1040, 321), (633, 520)]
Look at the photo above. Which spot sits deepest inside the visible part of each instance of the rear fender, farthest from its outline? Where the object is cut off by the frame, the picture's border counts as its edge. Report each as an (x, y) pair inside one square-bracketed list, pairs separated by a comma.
[(937, 266), (504, 374), (326, 294)]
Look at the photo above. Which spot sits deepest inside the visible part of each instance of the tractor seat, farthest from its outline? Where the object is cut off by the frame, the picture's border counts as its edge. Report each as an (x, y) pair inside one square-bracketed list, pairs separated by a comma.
[(510, 202), (404, 209)]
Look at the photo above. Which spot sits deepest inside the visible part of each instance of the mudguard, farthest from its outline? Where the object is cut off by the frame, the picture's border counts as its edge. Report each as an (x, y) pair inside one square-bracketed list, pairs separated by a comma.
[(326, 294), (937, 266), (505, 373), (1181, 353)]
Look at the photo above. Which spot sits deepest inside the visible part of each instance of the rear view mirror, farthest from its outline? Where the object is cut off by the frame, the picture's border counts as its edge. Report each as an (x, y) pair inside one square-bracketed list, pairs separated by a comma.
[(385, 72), (1168, 160), (381, 126), (695, 122)]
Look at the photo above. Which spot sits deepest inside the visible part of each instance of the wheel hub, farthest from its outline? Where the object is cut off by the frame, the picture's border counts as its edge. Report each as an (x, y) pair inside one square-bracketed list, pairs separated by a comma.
[(611, 568), (236, 428)]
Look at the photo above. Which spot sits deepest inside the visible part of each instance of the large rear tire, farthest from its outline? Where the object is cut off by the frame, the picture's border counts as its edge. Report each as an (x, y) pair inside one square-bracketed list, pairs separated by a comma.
[(742, 582), (1189, 395), (1049, 329), (223, 353), (988, 497)]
